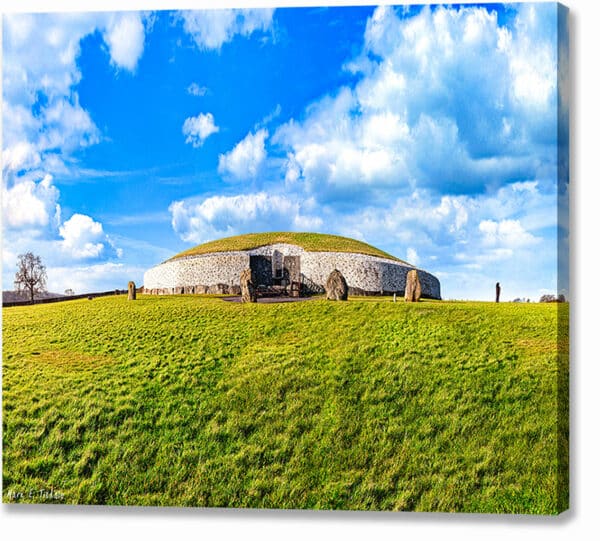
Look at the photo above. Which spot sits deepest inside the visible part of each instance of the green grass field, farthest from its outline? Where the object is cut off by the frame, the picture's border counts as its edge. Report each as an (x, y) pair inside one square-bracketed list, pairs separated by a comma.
[(369, 404)]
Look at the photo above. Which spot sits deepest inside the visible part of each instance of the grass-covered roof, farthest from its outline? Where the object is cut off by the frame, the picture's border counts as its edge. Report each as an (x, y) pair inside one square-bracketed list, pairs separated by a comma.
[(311, 242)]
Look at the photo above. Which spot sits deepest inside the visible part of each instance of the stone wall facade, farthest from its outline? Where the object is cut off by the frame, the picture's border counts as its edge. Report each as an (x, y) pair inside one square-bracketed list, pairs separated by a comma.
[(220, 272)]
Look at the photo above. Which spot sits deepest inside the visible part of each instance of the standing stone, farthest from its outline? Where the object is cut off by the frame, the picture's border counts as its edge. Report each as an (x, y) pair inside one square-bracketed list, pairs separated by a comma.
[(412, 292), (131, 292), (497, 291), (247, 286), (336, 287)]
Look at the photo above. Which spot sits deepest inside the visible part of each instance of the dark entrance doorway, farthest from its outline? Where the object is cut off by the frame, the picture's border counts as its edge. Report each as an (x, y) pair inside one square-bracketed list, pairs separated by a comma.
[(262, 270), (280, 275)]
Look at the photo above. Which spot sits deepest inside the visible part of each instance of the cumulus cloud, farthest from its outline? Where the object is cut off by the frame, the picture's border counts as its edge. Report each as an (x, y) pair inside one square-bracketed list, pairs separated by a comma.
[(22, 155), (412, 256), (448, 99), (44, 124), (245, 159), (30, 204), (201, 220), (443, 225), (198, 128), (508, 233), (93, 278), (43, 120), (83, 238), (464, 238), (41, 113), (210, 29), (66, 126), (40, 52), (125, 36), (196, 90)]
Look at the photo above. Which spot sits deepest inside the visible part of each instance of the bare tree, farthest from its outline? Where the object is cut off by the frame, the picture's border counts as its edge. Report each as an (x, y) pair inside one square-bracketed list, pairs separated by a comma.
[(31, 274)]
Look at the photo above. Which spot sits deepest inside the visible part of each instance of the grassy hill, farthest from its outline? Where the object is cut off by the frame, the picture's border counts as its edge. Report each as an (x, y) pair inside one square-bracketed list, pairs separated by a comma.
[(369, 404), (311, 242)]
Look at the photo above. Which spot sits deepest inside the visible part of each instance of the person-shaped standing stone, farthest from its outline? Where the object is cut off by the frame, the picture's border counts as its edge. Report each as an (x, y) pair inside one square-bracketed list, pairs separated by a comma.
[(131, 292), (247, 286), (412, 290)]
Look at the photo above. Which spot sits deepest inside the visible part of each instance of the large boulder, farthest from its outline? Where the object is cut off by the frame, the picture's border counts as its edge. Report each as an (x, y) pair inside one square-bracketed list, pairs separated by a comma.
[(218, 289), (336, 287), (247, 286), (131, 291), (412, 292)]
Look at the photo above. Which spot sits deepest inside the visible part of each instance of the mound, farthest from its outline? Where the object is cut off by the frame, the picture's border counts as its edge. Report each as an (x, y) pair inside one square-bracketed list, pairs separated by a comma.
[(311, 242), (284, 263)]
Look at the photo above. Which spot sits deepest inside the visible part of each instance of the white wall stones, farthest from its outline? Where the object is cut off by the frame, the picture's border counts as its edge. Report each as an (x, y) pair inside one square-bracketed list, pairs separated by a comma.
[(220, 272), (209, 269)]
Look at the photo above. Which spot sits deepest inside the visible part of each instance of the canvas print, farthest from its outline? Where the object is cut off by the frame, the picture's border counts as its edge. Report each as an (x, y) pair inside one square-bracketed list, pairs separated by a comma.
[(287, 258)]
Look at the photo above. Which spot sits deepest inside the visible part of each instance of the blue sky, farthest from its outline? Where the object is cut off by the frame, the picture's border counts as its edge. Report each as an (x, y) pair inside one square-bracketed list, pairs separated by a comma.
[(430, 132)]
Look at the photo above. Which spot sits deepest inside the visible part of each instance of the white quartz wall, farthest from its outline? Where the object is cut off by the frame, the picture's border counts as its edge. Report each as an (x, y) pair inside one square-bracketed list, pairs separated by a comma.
[(363, 273), (210, 269)]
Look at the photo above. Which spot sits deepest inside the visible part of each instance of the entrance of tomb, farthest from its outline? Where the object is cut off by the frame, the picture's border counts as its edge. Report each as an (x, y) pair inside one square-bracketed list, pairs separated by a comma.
[(262, 270), (277, 274)]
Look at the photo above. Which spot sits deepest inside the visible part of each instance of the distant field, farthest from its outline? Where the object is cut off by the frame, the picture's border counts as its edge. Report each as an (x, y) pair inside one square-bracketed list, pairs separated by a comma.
[(369, 404)]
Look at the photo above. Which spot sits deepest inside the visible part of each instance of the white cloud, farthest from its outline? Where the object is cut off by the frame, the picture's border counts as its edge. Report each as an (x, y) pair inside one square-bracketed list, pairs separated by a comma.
[(125, 36), (412, 256), (532, 61), (43, 119), (338, 153), (198, 128), (442, 233), (245, 159), (483, 259), (67, 127), (22, 155), (30, 204), (205, 219), (447, 99), (508, 233), (211, 28), (83, 238), (196, 90), (40, 52), (270, 116), (93, 278), (44, 124)]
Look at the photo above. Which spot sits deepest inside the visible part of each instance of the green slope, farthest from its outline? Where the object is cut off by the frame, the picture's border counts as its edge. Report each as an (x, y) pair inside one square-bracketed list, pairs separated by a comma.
[(311, 242), (367, 404)]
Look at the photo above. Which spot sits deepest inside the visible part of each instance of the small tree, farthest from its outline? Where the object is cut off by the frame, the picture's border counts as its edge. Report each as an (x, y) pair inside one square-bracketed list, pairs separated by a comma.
[(31, 274), (69, 292)]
